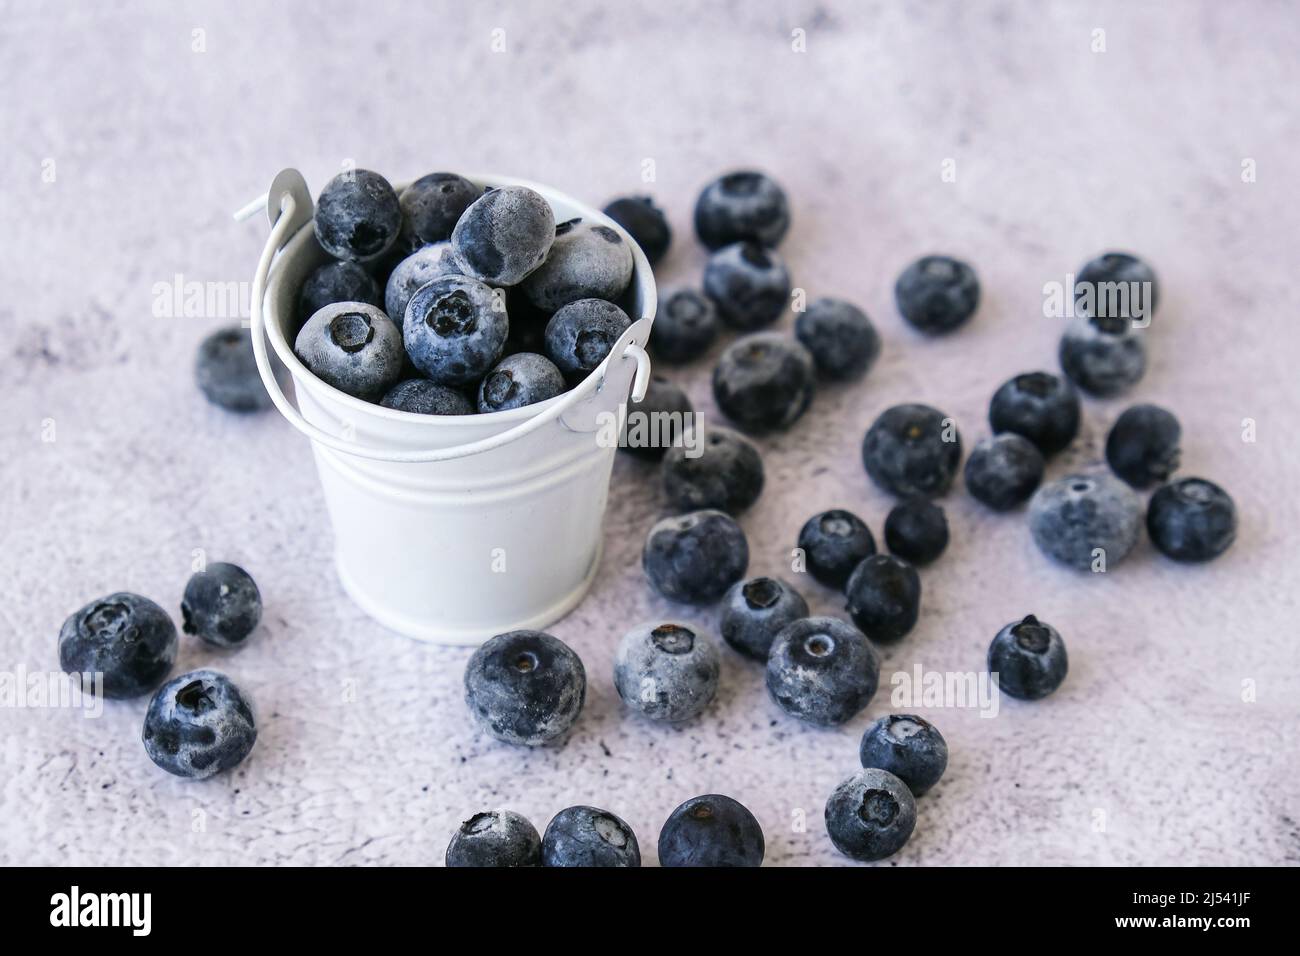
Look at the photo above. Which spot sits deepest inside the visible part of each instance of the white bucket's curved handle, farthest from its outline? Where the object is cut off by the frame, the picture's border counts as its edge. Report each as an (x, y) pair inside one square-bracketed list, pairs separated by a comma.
[(289, 207)]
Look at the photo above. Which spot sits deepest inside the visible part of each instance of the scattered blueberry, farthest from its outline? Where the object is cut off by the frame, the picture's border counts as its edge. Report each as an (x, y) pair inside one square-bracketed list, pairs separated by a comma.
[(455, 330), (222, 605), (1142, 447), (357, 216), (756, 610), (912, 450), (916, 530), (226, 371), (657, 422), (337, 281), (525, 687), (127, 638), (586, 836), (834, 543), (822, 670), (727, 474), (695, 557), (764, 382), (419, 268), (1116, 285), (749, 285), (910, 748), (431, 207), (524, 378), (843, 342), (587, 261), (884, 597), (1191, 519), (711, 831), (504, 235), (1103, 357), (580, 335), (495, 838), (198, 724), (937, 294), (1028, 658), (354, 347), (871, 815), (685, 326), (666, 671), (1078, 518), (645, 223), (423, 397), (1041, 406), (1004, 470), (739, 207)]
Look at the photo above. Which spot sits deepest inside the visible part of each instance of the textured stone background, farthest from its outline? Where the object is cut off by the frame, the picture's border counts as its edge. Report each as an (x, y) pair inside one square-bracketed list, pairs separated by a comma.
[(1060, 153)]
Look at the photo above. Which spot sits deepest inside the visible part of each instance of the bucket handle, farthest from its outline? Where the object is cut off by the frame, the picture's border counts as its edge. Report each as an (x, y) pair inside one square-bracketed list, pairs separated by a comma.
[(289, 207)]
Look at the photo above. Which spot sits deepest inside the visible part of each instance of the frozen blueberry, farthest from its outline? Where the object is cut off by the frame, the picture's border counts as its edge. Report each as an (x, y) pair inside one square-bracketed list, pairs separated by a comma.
[(695, 557), (525, 687), (423, 397), (884, 597), (586, 836), (645, 223), (198, 724), (1004, 470), (711, 831), (1103, 357), (127, 638), (226, 371), (587, 261), (749, 285), (455, 330), (1028, 659), (822, 670), (840, 337), (580, 335), (527, 324), (910, 748), (764, 382), (1116, 285), (222, 605), (916, 530), (739, 207), (1142, 447), (685, 326), (726, 474), (354, 347), (657, 422), (1080, 518), (1191, 519), (834, 543), (504, 236), (357, 216), (912, 450), (871, 815), (337, 281), (937, 294), (756, 610), (419, 268), (524, 378), (666, 671), (495, 838), (431, 207), (1041, 406)]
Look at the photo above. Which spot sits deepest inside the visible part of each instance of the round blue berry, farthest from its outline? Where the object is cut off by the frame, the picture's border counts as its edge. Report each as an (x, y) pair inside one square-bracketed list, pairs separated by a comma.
[(912, 450), (884, 597), (711, 831), (916, 530), (455, 330), (742, 206), (1117, 285), (587, 261), (1041, 406), (666, 671), (358, 216), (871, 815), (587, 836), (525, 687), (1080, 519), (910, 748), (695, 557), (353, 347), (822, 670), (937, 294), (423, 397), (504, 235), (834, 543), (226, 371), (127, 638), (337, 281), (419, 268), (1103, 357), (1191, 519), (1003, 471), (645, 223), (1028, 659), (755, 611), (222, 605), (658, 422), (199, 724), (726, 474), (1142, 446), (843, 342), (431, 207), (580, 335), (686, 324), (764, 382), (495, 838), (748, 283), (524, 378)]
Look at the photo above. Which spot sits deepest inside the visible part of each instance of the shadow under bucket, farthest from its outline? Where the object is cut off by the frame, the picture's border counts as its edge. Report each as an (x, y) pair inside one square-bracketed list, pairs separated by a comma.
[(453, 529)]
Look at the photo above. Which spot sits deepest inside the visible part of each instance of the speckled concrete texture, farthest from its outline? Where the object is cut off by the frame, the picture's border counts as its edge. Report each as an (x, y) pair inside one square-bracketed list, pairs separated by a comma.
[(132, 130)]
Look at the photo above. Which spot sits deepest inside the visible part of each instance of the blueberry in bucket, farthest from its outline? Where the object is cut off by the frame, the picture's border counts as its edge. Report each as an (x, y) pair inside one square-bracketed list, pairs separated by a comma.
[(587, 261), (358, 216), (431, 207), (524, 378), (338, 281), (423, 397), (354, 347), (580, 335), (419, 268), (504, 235), (456, 330)]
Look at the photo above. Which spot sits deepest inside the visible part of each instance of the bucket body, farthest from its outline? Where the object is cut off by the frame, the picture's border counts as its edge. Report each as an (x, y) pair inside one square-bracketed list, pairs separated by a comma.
[(456, 551)]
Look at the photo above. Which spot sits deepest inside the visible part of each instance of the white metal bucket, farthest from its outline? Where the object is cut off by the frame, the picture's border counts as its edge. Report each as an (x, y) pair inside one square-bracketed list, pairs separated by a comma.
[(453, 528)]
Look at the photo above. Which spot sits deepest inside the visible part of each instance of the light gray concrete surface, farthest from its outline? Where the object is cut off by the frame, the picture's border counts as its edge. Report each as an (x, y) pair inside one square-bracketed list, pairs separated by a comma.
[(127, 146)]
